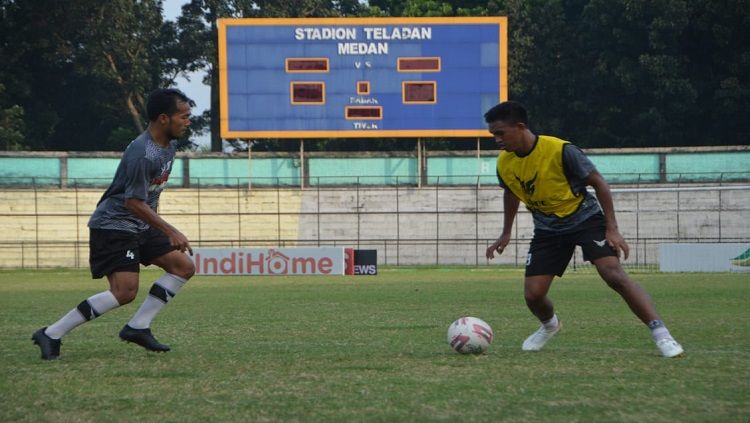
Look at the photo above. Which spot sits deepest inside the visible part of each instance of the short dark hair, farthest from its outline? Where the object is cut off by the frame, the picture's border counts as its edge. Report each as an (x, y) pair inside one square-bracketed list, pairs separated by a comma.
[(507, 111), (164, 101)]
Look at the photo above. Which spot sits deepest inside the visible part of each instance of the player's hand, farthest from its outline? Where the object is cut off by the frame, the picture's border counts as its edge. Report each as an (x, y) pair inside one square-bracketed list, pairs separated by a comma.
[(498, 246), (180, 242), (616, 241)]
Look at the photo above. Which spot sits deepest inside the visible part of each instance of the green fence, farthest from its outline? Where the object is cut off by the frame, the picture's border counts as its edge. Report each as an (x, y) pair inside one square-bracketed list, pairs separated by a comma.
[(19, 169), (364, 171)]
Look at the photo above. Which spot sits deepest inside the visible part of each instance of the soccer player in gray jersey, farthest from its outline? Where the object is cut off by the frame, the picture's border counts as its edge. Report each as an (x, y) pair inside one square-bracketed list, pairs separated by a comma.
[(126, 231), (550, 176)]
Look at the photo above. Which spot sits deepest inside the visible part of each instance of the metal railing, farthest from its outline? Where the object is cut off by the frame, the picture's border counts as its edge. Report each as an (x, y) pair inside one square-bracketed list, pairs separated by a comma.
[(433, 224), (638, 179)]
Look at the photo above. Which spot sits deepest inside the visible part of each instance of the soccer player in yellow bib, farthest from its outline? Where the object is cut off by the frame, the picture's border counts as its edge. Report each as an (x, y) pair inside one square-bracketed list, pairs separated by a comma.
[(550, 176)]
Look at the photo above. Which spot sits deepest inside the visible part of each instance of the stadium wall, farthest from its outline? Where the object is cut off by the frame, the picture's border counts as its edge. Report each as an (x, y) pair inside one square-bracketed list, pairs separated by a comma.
[(438, 224)]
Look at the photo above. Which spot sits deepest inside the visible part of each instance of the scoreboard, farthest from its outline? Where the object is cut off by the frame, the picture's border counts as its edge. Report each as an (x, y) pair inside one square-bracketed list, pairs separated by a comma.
[(360, 77)]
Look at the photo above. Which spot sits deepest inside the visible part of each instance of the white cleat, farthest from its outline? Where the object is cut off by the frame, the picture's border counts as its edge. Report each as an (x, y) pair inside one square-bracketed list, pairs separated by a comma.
[(669, 348), (536, 341)]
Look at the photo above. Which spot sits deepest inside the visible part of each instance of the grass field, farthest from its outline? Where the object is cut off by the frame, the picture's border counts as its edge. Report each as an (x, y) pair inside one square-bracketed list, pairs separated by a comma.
[(374, 349)]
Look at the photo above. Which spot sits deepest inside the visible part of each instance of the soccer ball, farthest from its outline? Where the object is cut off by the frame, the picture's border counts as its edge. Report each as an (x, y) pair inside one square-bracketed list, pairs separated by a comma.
[(469, 335)]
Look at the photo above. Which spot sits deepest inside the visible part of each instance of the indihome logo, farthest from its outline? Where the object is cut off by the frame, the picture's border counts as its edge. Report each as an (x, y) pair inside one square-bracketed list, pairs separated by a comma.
[(270, 262)]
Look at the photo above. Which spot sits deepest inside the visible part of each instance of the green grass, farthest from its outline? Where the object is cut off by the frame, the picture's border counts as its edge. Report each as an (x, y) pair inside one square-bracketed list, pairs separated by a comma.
[(374, 349)]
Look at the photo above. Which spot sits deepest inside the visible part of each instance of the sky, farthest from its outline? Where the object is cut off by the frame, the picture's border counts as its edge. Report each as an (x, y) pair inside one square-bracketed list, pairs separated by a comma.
[(194, 88)]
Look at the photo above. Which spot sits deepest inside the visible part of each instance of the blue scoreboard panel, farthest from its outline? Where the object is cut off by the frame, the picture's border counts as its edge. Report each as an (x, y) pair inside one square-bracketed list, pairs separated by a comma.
[(360, 77)]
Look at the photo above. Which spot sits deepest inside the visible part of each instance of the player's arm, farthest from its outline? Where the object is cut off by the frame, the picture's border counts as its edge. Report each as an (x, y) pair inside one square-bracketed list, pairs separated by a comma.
[(510, 209), (604, 195), (141, 210)]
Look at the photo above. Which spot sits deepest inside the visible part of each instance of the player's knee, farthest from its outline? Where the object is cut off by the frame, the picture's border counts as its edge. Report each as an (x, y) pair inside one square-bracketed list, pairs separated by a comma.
[(184, 269), (533, 296), (125, 295), (189, 270)]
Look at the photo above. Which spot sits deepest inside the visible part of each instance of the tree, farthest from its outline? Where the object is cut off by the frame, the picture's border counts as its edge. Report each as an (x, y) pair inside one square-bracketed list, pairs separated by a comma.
[(718, 64), (80, 70), (12, 127), (633, 73), (631, 83), (198, 34), (540, 59), (198, 39)]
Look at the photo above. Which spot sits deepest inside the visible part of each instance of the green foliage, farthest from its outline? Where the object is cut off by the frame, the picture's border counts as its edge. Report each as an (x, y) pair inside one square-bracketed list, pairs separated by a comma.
[(632, 73), (119, 138), (374, 349), (428, 8), (12, 128), (198, 39), (82, 71), (638, 79)]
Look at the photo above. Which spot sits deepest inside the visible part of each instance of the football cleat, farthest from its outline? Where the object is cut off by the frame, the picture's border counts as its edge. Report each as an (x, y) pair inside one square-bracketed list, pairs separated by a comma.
[(536, 341), (669, 348), (142, 337), (49, 347)]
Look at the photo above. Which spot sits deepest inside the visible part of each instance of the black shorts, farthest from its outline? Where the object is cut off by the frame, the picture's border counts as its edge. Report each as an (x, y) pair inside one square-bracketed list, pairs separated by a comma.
[(119, 251), (550, 253)]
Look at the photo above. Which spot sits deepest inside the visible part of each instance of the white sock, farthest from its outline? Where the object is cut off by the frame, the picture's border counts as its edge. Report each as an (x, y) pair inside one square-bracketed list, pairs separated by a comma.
[(161, 292), (89, 309), (659, 330), (551, 324)]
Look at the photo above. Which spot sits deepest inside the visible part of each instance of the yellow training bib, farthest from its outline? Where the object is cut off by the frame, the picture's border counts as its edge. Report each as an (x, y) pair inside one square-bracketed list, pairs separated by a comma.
[(538, 179)]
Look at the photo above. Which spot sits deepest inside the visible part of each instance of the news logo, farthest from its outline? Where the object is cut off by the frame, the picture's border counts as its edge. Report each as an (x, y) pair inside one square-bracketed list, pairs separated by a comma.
[(361, 262)]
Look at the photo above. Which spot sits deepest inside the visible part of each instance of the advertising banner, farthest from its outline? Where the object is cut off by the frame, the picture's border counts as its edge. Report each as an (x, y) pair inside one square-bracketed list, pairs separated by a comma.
[(323, 261), (708, 257)]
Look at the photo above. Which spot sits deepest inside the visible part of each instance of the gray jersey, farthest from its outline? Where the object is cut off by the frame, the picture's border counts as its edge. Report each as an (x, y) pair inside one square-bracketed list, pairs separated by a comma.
[(142, 173), (577, 168)]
